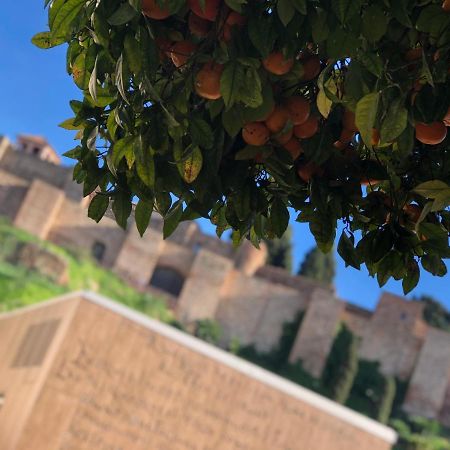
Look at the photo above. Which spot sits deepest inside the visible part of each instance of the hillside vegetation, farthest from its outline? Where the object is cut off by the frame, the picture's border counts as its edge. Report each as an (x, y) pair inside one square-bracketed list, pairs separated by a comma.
[(20, 286)]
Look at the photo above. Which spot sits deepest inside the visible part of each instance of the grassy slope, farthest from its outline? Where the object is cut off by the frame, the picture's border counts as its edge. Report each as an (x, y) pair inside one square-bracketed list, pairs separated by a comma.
[(19, 286)]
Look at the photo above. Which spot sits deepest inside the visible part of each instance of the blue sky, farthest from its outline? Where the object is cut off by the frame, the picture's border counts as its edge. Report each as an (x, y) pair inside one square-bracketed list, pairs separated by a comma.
[(35, 94)]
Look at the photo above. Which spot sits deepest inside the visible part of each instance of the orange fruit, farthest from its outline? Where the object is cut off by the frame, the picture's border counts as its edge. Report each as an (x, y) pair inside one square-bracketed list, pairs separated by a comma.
[(413, 212), (233, 19), (413, 54), (308, 128), (207, 81), (298, 108), (446, 5), (311, 68), (181, 51), (346, 135), (285, 137), (308, 170), (197, 26), (430, 133), (375, 139), (368, 181), (294, 148), (255, 133), (447, 118), (209, 12), (348, 120), (164, 46), (277, 64), (151, 9), (278, 119)]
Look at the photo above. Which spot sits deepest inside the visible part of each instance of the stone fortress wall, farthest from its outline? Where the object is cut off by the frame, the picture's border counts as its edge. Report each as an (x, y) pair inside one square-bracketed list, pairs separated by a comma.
[(203, 277)]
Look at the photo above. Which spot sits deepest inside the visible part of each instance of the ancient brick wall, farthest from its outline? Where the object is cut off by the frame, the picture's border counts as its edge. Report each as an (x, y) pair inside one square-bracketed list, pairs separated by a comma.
[(39, 209), (317, 332), (356, 319), (429, 382), (73, 229), (200, 295), (138, 256), (394, 335), (122, 382), (254, 310), (12, 193)]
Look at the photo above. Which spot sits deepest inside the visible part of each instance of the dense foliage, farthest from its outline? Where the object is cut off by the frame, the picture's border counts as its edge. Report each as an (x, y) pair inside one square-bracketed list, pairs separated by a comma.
[(237, 110), (279, 250), (319, 266), (434, 313), (342, 365)]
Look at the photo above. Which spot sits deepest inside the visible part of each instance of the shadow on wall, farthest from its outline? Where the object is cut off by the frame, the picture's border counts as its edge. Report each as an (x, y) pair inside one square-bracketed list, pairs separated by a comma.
[(168, 280)]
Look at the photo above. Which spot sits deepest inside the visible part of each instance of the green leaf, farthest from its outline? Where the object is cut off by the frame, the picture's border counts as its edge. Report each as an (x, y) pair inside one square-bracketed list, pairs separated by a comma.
[(285, 11), (64, 17), (250, 92), (132, 53), (347, 251), (300, 6), (172, 219), (190, 166), (251, 114), (251, 151), (432, 189), (201, 133), (142, 215), (374, 23), (120, 82), (45, 40), (92, 86), (279, 217), (324, 104), (55, 6), (98, 206), (342, 44), (124, 14), (80, 72), (346, 9), (319, 26), (412, 277), (145, 167), (231, 82), (434, 265), (123, 148), (262, 34), (395, 121), (70, 125), (366, 113), (122, 208), (232, 121)]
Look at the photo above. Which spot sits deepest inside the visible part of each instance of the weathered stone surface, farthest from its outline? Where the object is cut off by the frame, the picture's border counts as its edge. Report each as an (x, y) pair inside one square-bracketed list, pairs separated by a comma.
[(34, 257)]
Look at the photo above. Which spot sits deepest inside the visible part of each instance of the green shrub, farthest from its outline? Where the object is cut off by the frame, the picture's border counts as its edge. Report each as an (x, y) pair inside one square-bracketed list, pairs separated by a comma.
[(208, 330)]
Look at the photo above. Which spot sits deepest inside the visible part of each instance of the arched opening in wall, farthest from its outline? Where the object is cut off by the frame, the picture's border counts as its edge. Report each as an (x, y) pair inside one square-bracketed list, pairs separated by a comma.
[(168, 280), (98, 251)]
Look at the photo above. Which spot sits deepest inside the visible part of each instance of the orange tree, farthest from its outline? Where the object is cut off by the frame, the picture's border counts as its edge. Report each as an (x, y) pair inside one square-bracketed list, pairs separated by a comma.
[(237, 110)]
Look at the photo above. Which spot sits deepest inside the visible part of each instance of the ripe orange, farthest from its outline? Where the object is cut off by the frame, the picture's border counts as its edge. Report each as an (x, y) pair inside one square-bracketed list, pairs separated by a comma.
[(307, 129), (413, 212), (368, 181), (308, 170), (298, 108), (413, 54), (285, 137), (375, 139), (164, 46), (151, 9), (233, 19), (278, 119), (447, 118), (197, 26), (277, 64), (311, 68), (430, 133), (181, 52), (207, 81), (348, 120), (346, 135), (255, 133), (294, 148), (446, 5), (209, 13)]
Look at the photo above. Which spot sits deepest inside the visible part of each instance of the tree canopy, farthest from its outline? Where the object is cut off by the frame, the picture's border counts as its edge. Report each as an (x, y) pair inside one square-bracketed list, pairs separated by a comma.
[(319, 266), (236, 110), (279, 250)]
